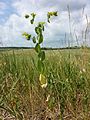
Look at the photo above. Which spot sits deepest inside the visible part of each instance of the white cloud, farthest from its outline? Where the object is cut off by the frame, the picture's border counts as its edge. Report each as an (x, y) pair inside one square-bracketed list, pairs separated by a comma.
[(56, 30), (3, 6), (11, 32)]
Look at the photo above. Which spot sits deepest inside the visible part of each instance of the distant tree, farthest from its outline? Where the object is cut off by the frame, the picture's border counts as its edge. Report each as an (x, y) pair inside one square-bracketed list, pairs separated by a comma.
[(1, 43)]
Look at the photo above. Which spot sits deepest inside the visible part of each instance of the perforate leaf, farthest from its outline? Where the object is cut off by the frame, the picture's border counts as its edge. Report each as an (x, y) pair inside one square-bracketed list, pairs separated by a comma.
[(41, 55), (43, 81), (37, 48)]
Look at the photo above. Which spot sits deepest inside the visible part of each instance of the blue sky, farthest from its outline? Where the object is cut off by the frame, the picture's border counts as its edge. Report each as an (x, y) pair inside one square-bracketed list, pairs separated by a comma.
[(57, 33)]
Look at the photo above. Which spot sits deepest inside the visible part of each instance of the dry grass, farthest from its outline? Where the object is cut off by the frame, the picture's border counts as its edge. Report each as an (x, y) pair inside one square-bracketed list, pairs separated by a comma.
[(67, 96)]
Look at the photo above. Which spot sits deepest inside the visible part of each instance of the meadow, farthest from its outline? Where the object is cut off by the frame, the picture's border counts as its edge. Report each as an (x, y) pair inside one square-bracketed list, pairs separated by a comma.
[(67, 95)]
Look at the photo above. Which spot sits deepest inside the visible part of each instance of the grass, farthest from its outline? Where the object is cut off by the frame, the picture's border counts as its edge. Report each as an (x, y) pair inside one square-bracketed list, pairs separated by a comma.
[(66, 97)]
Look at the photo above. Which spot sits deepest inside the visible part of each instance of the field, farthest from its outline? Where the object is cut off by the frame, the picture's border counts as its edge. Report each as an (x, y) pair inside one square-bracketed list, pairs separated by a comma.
[(66, 97)]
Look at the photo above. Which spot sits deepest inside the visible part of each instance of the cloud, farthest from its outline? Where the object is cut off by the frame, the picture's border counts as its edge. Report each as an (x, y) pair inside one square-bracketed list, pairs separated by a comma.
[(57, 33), (23, 6), (3, 6), (62, 5), (11, 32)]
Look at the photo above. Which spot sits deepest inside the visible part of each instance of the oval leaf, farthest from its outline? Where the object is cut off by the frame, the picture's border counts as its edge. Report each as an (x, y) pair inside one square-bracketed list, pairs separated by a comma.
[(34, 40), (26, 16), (32, 21), (40, 38), (40, 66), (37, 30), (41, 55), (43, 81)]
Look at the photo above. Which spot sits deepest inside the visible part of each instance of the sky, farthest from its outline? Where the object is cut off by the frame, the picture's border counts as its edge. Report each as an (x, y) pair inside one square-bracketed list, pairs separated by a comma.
[(61, 32)]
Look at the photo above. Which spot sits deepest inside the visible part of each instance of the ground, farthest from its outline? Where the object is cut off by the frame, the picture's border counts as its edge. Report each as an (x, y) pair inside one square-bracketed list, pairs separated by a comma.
[(67, 95)]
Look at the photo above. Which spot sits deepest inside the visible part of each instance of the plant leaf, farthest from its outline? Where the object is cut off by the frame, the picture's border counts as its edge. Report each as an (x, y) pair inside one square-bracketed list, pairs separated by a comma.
[(41, 55), (33, 18), (26, 16), (51, 14), (43, 81), (37, 48), (27, 36), (32, 21), (40, 66), (40, 38), (36, 30), (34, 39)]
